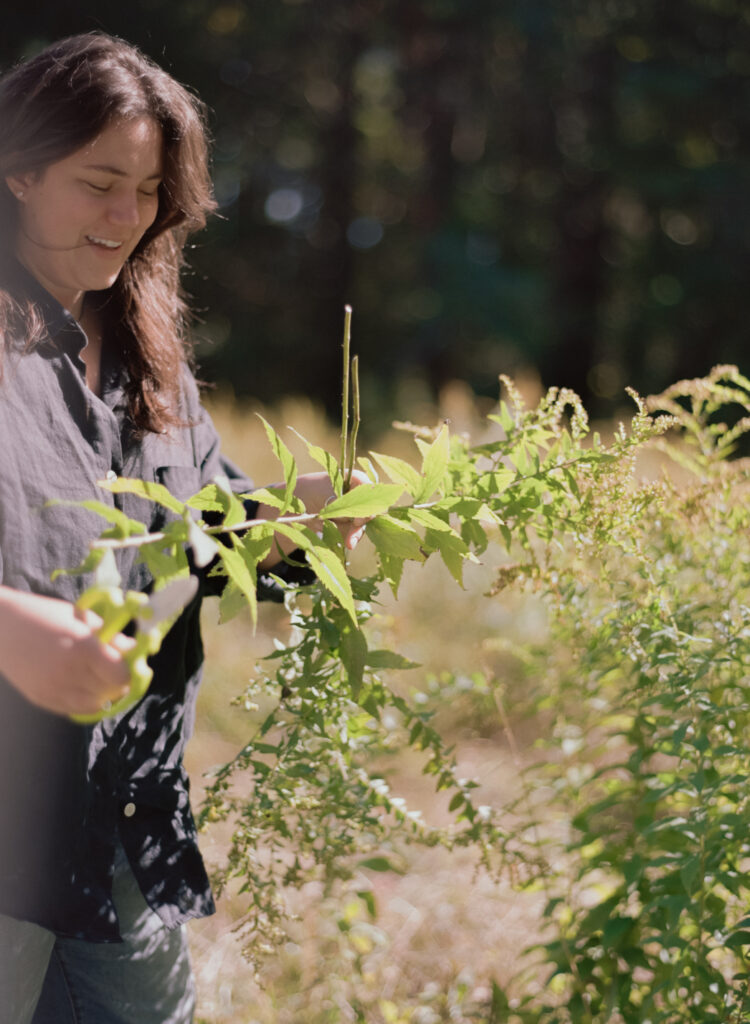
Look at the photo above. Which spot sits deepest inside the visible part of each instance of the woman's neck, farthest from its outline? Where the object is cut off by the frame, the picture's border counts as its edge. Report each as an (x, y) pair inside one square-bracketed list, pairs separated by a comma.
[(91, 322)]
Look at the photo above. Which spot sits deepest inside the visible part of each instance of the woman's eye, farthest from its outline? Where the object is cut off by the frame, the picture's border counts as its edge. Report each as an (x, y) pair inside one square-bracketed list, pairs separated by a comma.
[(97, 188), (149, 194)]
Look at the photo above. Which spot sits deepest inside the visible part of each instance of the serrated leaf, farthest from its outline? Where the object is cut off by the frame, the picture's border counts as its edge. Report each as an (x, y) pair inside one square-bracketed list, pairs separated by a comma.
[(164, 560), (395, 538), (434, 464), (147, 489), (285, 457), (453, 550), (429, 520), (400, 472), (389, 659), (326, 460), (332, 575), (231, 602), (124, 525), (218, 496), (206, 500), (89, 564), (363, 501), (276, 497), (325, 564), (367, 465), (241, 575), (353, 654)]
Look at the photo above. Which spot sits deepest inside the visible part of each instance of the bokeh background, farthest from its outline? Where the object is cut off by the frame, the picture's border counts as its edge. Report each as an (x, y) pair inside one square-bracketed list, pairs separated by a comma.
[(495, 186)]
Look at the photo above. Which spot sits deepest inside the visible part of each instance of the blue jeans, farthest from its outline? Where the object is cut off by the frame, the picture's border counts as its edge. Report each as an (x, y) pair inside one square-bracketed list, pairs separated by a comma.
[(146, 979)]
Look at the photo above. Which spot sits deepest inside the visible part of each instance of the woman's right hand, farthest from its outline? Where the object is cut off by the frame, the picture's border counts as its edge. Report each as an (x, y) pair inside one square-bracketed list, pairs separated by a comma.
[(51, 654)]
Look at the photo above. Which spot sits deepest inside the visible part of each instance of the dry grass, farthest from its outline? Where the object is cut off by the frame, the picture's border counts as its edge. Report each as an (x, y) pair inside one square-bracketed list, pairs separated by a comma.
[(443, 931)]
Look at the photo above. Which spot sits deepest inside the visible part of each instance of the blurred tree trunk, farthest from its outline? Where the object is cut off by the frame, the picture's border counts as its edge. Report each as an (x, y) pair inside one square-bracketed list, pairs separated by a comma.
[(329, 264), (580, 275)]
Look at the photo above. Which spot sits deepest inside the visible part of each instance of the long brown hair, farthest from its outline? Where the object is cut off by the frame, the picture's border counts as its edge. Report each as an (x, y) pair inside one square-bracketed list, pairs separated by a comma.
[(50, 106)]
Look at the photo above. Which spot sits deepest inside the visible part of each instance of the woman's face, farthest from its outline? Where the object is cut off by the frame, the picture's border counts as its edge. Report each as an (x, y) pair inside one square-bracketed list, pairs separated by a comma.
[(81, 217)]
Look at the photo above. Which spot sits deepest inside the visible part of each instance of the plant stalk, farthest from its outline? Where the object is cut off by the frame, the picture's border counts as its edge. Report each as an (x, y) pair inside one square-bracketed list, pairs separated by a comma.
[(345, 389)]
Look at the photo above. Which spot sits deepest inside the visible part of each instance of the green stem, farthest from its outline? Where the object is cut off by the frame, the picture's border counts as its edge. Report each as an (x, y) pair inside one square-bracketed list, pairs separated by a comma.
[(345, 389), (356, 419)]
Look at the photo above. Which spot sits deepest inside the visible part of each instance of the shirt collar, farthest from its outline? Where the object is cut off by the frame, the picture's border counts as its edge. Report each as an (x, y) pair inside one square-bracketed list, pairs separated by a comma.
[(59, 321)]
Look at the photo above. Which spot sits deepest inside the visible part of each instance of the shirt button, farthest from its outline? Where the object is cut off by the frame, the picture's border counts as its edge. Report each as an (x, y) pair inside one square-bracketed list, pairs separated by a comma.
[(111, 476), (129, 810)]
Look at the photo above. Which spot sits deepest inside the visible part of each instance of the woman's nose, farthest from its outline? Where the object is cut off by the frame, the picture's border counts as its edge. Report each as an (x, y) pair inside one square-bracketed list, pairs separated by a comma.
[(124, 210)]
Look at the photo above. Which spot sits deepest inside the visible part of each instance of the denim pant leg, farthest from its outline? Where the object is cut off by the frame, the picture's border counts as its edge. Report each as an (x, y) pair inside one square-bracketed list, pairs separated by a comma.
[(24, 955), (146, 979)]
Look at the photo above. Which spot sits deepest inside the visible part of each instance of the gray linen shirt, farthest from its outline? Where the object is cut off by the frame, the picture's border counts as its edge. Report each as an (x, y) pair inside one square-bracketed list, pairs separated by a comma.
[(67, 792)]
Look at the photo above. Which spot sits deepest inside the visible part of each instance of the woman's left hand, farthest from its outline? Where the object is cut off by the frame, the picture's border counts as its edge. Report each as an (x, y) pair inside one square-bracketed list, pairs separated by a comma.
[(315, 491)]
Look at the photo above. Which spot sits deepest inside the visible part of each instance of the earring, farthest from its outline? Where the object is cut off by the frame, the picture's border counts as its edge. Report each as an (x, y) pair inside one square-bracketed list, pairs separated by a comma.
[(20, 194)]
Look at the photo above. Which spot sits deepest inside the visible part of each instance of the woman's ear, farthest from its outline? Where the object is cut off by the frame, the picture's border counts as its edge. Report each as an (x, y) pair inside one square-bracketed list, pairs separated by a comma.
[(19, 184)]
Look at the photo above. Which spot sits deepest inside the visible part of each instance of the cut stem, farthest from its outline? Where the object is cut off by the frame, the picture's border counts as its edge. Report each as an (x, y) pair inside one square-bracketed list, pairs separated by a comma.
[(345, 389)]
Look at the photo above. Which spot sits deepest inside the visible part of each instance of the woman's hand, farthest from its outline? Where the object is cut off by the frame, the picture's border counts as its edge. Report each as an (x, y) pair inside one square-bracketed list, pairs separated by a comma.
[(50, 653), (315, 491)]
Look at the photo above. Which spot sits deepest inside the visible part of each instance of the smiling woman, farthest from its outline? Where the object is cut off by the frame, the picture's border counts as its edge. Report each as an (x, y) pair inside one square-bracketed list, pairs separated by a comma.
[(81, 218), (105, 160), (103, 172)]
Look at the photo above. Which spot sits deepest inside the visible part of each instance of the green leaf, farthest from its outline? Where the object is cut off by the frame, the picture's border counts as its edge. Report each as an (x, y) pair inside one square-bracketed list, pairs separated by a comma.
[(389, 659), (144, 489), (378, 864), (324, 562), (428, 519), (400, 472), (285, 457), (331, 573), (206, 500), (166, 560), (326, 460), (395, 537), (615, 930), (123, 525), (458, 801), (231, 602), (219, 497), (353, 653), (690, 873), (368, 898), (89, 564), (367, 466), (434, 464), (363, 501), (241, 575)]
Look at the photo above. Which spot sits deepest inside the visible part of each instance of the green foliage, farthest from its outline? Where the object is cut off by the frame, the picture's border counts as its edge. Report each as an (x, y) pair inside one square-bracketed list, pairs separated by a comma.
[(643, 852), (643, 682)]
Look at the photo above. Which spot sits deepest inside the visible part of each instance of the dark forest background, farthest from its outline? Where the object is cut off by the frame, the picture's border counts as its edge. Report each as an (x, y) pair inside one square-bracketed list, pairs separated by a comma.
[(494, 185)]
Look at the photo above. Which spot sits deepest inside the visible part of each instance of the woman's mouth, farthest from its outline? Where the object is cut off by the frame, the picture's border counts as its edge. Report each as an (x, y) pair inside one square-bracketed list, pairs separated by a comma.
[(104, 243)]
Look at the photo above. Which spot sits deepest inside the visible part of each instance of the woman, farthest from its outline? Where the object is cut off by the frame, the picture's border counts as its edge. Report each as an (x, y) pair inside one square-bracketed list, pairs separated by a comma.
[(104, 174)]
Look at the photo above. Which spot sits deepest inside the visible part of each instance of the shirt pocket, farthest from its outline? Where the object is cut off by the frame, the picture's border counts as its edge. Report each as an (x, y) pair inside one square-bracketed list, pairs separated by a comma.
[(172, 464)]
